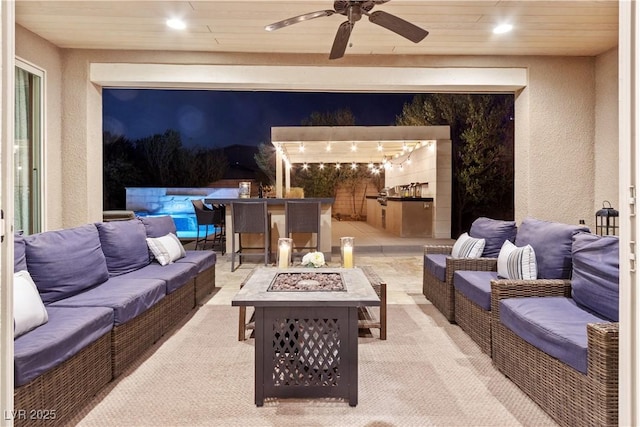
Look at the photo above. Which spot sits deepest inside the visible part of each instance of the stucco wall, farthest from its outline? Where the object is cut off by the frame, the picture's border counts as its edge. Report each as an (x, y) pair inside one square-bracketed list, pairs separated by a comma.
[(606, 146), (554, 137), (46, 56)]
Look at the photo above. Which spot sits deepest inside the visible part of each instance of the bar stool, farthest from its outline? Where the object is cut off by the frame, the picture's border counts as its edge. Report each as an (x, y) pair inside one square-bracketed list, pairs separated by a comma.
[(205, 216), (302, 216), (250, 217)]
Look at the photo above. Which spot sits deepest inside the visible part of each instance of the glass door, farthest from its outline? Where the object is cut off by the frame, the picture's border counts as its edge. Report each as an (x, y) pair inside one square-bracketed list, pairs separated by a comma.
[(27, 148)]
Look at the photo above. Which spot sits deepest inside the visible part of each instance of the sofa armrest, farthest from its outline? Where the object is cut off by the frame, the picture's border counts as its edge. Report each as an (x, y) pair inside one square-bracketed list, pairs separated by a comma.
[(504, 288), (475, 264), (602, 362), (438, 249)]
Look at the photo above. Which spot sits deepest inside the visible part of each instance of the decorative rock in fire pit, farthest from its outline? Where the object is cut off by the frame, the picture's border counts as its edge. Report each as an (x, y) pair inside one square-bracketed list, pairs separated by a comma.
[(307, 282)]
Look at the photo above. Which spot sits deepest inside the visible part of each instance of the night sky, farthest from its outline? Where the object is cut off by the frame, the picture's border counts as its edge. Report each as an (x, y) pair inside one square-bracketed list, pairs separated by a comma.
[(215, 119)]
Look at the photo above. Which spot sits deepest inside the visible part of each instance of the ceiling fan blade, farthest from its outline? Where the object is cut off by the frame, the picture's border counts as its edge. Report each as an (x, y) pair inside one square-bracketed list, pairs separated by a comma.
[(299, 18), (398, 25), (341, 40)]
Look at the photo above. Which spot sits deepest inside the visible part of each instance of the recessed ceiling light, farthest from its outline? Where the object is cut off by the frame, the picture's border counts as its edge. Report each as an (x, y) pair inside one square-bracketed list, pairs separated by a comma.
[(176, 24), (502, 28)]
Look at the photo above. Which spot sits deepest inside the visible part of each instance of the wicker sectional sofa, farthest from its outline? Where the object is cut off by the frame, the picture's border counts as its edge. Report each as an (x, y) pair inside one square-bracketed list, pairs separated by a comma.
[(556, 337), (107, 302)]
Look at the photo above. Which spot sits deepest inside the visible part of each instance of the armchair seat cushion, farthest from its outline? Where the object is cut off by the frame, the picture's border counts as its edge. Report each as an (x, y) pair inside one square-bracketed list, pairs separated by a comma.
[(127, 297), (202, 259), (67, 332), (555, 325), (436, 264), (475, 285)]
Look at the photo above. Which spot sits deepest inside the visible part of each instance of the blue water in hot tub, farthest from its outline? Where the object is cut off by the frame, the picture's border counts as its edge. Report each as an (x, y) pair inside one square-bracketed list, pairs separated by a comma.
[(186, 224)]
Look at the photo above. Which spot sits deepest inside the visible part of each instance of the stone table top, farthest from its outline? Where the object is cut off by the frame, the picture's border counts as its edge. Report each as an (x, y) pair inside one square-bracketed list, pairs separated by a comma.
[(255, 292)]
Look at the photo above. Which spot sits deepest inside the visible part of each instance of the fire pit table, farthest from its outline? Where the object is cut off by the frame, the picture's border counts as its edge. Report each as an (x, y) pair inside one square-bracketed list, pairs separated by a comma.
[(306, 330)]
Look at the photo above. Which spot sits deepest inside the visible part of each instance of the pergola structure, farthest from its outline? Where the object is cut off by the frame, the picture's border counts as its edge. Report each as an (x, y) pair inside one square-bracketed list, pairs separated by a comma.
[(346, 145)]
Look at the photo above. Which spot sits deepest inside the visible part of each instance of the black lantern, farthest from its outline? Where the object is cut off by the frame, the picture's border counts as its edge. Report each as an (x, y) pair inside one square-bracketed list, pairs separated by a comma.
[(606, 220)]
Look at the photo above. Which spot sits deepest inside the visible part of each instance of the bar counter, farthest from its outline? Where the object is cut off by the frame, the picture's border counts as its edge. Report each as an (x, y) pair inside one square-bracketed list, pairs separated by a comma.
[(275, 207)]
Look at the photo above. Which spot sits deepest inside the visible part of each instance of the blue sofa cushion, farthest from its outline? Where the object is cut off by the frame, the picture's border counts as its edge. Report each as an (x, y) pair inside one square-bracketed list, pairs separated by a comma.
[(68, 331), (158, 226), (494, 232), (552, 243), (475, 285), (202, 259), (436, 264), (555, 325), (174, 275), (19, 253), (65, 262), (596, 273), (124, 245), (127, 297)]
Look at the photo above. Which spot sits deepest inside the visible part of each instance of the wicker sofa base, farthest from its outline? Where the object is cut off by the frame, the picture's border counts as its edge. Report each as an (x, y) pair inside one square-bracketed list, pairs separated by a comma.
[(56, 396), (474, 321), (568, 396), (130, 340), (177, 305), (205, 284), (440, 294)]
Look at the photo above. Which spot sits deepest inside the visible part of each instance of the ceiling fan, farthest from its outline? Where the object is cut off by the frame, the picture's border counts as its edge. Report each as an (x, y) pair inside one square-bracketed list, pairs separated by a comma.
[(354, 10)]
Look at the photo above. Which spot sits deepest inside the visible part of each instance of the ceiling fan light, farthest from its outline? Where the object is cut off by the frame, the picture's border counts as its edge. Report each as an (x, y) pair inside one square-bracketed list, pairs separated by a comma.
[(502, 28)]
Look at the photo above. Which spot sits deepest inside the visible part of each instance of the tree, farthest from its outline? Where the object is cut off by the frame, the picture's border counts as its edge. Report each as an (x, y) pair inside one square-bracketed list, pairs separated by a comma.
[(159, 160), (266, 161), (342, 117), (119, 170), (482, 150), (160, 157)]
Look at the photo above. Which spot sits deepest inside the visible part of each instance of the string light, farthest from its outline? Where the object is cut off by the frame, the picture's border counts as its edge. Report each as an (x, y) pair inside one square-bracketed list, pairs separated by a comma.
[(379, 146), (338, 165), (301, 148), (328, 147), (354, 165), (354, 147), (370, 165), (305, 166), (321, 166)]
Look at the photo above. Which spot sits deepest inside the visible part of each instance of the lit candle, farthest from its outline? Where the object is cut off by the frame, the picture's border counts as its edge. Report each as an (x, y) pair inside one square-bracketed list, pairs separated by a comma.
[(284, 253), (348, 257)]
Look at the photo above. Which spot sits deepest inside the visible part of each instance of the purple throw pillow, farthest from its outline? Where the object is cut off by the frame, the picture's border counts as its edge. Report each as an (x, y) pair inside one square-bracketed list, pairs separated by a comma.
[(63, 263), (552, 243), (596, 273), (494, 232), (124, 245), (158, 226)]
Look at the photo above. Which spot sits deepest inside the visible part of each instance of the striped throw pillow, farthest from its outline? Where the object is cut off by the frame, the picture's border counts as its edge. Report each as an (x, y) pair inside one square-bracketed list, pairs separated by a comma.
[(166, 249), (467, 247), (517, 263)]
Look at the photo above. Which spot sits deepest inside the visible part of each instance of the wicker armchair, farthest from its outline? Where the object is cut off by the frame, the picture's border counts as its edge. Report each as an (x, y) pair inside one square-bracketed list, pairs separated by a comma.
[(569, 396), (441, 293)]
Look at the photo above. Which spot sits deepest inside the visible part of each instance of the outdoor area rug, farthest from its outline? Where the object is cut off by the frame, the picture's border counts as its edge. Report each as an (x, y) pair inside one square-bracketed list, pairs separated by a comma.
[(427, 372)]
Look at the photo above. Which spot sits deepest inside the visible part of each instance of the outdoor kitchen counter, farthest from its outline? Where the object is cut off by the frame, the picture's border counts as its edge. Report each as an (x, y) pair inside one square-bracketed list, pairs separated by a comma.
[(275, 206), (402, 216)]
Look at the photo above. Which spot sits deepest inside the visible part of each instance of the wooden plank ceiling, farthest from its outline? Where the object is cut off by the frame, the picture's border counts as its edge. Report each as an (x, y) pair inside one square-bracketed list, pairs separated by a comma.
[(566, 28)]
